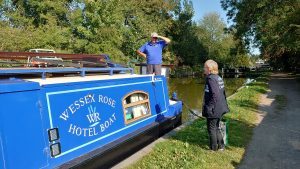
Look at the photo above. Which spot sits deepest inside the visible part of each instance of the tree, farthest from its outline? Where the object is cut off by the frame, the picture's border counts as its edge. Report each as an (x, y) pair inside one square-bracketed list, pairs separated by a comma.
[(114, 27), (117, 28), (143, 17), (275, 26), (33, 24), (220, 45), (97, 28), (186, 45)]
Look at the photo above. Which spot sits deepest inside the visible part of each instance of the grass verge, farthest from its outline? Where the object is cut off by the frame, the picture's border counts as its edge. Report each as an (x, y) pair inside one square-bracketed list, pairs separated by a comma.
[(189, 147)]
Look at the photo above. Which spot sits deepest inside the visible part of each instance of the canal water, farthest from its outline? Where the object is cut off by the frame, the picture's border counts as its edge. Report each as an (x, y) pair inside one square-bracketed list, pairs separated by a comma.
[(191, 90)]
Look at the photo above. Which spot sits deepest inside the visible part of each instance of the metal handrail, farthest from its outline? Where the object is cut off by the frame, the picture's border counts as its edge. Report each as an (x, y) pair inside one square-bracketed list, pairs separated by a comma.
[(44, 71), (25, 55)]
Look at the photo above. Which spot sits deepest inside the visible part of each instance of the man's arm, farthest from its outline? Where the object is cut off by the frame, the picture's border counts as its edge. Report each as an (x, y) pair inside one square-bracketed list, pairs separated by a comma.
[(167, 40), (141, 53)]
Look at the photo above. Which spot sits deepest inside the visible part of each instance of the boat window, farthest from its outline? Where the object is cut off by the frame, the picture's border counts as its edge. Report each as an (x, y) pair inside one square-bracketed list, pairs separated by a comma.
[(136, 106)]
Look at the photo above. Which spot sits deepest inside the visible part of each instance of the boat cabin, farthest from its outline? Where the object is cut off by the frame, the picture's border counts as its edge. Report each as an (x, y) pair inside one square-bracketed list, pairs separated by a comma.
[(80, 117)]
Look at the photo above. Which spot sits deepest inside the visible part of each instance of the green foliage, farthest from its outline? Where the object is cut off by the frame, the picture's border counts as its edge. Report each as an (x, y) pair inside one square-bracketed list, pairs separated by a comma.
[(274, 25), (114, 27), (186, 45), (32, 24), (220, 46), (117, 28)]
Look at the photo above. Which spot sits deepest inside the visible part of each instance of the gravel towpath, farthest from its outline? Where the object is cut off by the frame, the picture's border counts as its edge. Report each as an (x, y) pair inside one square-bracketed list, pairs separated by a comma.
[(276, 140)]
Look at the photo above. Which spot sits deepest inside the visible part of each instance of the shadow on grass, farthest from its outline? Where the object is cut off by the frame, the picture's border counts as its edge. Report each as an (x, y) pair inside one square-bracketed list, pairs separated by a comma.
[(262, 79), (195, 134), (238, 135), (259, 83), (246, 104), (235, 164), (261, 90)]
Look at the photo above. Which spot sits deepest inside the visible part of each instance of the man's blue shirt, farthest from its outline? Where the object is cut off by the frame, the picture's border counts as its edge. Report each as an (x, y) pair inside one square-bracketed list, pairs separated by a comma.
[(153, 51)]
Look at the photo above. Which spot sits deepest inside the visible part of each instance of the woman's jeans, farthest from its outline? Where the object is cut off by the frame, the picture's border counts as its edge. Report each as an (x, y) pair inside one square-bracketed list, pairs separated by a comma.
[(214, 132)]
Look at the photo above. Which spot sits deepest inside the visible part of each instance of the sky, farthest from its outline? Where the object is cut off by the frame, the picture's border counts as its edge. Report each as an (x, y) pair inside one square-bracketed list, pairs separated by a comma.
[(202, 7)]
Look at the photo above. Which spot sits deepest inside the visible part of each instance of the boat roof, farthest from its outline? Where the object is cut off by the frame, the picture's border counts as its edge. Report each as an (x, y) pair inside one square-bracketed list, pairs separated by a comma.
[(89, 77)]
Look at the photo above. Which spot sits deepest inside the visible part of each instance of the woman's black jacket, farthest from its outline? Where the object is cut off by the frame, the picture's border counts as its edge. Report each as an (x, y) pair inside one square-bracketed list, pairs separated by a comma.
[(215, 103)]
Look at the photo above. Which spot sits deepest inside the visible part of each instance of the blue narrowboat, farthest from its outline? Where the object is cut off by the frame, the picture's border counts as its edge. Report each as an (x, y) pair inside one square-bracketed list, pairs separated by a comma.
[(79, 118)]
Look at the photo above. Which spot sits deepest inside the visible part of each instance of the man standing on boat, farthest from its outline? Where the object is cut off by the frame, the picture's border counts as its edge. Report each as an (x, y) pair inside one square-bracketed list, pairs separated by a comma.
[(152, 51)]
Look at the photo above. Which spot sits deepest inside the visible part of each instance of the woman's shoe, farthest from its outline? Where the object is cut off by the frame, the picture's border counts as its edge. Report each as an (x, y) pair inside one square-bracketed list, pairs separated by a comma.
[(222, 148)]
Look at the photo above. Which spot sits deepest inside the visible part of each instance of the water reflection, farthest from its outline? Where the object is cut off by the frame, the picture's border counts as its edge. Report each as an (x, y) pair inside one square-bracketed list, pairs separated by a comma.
[(191, 90)]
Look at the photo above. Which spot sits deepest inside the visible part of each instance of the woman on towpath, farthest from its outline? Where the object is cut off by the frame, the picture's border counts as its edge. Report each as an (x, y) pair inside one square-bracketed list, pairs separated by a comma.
[(214, 105)]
